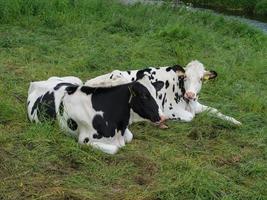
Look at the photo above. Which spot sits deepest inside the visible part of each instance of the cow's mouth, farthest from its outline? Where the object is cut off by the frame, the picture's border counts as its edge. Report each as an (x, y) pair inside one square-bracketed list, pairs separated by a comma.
[(161, 120), (190, 99)]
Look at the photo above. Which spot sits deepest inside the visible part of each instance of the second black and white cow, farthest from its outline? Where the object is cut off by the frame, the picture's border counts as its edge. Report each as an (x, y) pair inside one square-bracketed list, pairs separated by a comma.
[(179, 96), (97, 116)]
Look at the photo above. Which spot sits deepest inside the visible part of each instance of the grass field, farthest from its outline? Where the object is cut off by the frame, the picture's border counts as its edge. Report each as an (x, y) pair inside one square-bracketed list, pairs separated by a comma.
[(204, 159)]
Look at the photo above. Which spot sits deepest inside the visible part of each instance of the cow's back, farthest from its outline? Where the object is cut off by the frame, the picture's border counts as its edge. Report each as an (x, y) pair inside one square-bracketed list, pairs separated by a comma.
[(44, 97)]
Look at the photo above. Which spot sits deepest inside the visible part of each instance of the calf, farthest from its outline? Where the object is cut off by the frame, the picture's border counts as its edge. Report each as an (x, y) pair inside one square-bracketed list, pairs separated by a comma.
[(96, 116), (179, 95)]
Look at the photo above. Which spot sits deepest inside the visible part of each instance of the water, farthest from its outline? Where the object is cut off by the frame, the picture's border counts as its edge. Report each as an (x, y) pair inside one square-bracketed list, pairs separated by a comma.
[(254, 20), (259, 22)]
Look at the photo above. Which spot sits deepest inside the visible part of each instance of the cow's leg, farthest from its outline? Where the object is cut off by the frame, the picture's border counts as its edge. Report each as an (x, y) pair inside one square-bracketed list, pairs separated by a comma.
[(119, 139), (182, 115), (107, 148), (84, 138), (128, 136), (202, 108)]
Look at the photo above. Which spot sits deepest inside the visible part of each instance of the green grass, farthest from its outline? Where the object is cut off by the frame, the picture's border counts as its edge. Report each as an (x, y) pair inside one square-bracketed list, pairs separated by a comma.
[(204, 159)]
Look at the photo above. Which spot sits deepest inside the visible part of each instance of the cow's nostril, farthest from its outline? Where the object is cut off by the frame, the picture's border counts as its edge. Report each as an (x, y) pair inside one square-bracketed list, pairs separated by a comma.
[(190, 95)]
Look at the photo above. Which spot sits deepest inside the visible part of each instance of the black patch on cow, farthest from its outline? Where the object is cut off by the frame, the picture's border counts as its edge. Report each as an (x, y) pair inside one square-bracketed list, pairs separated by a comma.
[(154, 72), (61, 108), (86, 140), (170, 108), (28, 103), (173, 115), (175, 68), (158, 85), (88, 90), (58, 86), (167, 84), (133, 79), (45, 106), (129, 72), (72, 124), (140, 74), (105, 127), (36, 103), (181, 84), (163, 101), (111, 76), (97, 136), (160, 96), (151, 77), (114, 103), (177, 97), (71, 89), (173, 88)]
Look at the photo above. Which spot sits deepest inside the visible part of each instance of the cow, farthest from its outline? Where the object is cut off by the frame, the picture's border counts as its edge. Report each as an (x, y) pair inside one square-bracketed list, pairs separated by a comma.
[(95, 116), (179, 95)]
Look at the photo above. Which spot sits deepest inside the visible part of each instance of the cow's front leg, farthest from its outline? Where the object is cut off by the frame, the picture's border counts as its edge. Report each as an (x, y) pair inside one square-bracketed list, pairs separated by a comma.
[(182, 115), (107, 148), (128, 136), (84, 138), (119, 139), (202, 108)]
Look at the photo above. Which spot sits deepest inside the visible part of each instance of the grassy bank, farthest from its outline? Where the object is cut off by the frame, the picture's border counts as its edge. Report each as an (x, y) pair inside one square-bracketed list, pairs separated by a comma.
[(205, 159), (258, 7)]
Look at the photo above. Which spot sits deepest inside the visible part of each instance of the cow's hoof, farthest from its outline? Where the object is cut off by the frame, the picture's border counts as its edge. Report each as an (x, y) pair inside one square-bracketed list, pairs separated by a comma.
[(237, 123), (128, 136), (163, 126), (107, 148), (187, 118), (110, 149)]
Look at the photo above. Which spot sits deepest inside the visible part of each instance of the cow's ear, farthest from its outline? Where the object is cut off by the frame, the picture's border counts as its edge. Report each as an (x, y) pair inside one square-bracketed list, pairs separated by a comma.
[(158, 85), (210, 75)]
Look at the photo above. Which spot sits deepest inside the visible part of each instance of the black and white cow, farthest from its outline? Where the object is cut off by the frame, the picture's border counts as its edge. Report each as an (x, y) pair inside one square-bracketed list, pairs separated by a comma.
[(96, 116), (179, 96)]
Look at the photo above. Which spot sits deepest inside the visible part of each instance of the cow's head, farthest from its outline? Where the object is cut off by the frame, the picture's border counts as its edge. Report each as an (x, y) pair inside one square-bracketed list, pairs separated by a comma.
[(143, 99), (195, 74)]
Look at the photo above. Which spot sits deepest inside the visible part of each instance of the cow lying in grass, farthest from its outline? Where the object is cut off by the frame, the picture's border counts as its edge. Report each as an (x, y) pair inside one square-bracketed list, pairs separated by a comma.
[(179, 95), (96, 116)]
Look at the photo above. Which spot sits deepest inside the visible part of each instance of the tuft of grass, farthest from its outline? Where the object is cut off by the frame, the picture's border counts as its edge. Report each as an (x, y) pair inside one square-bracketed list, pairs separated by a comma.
[(205, 159)]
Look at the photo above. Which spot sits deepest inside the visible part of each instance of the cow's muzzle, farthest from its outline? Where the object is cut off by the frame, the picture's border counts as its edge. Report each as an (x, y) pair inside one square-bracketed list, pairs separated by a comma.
[(161, 124), (162, 119), (190, 96)]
